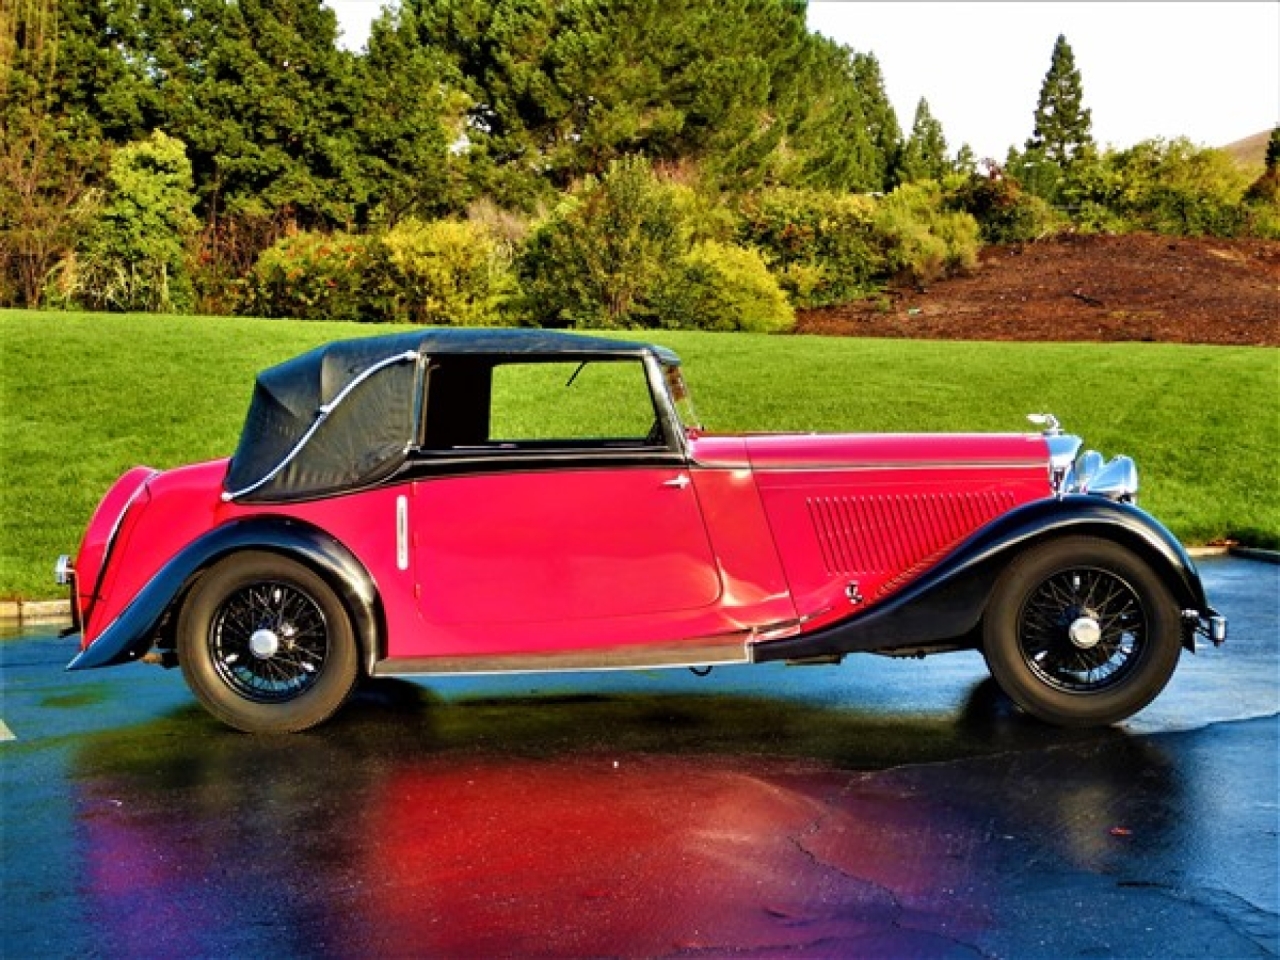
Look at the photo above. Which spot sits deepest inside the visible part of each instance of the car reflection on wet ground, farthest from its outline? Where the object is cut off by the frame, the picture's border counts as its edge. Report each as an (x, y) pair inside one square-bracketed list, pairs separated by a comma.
[(881, 808)]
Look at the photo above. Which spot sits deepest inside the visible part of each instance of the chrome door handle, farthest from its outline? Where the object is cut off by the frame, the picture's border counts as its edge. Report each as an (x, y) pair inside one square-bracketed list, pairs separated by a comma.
[(678, 483)]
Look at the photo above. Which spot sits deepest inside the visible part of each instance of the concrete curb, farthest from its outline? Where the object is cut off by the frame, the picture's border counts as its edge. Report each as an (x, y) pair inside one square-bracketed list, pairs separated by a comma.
[(1253, 553), (35, 611), (54, 611), (1196, 553)]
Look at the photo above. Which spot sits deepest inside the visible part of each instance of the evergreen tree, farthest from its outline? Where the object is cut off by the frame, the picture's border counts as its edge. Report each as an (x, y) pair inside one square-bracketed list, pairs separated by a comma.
[(739, 87), (410, 114), (1063, 125), (1266, 189), (881, 121), (924, 156), (829, 143)]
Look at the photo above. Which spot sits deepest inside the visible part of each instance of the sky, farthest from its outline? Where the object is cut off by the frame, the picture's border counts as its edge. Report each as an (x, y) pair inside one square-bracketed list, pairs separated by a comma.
[(1209, 71)]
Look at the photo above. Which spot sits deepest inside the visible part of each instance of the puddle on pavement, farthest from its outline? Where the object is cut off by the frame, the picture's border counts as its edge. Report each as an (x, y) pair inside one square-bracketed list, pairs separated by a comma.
[(557, 825)]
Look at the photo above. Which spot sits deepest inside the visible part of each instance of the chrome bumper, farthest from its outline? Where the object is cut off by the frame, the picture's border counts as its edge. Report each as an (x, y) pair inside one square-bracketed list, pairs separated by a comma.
[(1209, 624), (64, 574)]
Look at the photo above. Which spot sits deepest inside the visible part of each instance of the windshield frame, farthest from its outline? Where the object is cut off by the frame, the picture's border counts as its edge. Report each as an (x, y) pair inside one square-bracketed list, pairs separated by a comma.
[(681, 399)]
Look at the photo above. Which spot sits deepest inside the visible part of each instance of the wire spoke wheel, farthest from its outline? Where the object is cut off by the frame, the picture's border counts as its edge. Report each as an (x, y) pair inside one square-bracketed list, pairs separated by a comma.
[(269, 641), (1082, 630), (266, 645)]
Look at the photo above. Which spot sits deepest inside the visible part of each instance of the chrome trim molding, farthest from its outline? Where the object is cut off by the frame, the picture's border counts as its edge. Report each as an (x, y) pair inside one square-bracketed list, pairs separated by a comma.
[(402, 532), (725, 651)]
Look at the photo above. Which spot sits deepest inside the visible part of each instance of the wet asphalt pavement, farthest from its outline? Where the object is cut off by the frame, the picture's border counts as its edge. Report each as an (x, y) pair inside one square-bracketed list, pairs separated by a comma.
[(880, 808)]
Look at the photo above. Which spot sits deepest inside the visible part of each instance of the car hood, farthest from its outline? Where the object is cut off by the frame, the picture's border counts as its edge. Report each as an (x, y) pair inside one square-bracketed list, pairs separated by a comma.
[(814, 451)]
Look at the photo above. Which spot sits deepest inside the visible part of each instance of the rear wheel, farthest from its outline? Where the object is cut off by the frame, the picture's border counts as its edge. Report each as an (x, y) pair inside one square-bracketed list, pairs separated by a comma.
[(1081, 632), (266, 645)]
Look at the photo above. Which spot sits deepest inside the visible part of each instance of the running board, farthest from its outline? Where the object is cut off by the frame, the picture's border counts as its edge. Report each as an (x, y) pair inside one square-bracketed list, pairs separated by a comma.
[(720, 652)]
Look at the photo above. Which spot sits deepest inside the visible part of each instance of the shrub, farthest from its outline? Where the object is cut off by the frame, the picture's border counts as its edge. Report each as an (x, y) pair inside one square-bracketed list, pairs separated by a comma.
[(719, 286), (1171, 187), (137, 252), (310, 276), (820, 245), (922, 239), (1262, 218), (603, 253), (441, 272), (1004, 211)]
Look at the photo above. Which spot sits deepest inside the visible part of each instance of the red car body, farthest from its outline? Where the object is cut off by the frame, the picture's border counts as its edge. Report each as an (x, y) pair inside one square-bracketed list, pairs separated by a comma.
[(393, 496)]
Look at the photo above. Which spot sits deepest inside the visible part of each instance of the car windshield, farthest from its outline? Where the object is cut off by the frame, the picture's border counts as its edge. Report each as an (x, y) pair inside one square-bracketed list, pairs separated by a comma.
[(682, 399)]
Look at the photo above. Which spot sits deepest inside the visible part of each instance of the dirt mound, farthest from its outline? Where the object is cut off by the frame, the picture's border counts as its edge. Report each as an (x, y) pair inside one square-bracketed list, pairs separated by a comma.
[(1073, 287)]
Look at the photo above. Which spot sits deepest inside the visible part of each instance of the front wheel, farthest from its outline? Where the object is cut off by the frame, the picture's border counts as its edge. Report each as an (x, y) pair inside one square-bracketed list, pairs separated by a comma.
[(1081, 632), (266, 645)]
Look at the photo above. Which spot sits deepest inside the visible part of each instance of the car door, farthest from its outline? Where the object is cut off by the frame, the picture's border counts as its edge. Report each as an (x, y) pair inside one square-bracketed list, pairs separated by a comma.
[(572, 507), (561, 545)]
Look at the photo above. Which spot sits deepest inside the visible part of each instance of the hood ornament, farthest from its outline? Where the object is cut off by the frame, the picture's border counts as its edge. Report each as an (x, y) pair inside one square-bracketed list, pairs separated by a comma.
[(1047, 420)]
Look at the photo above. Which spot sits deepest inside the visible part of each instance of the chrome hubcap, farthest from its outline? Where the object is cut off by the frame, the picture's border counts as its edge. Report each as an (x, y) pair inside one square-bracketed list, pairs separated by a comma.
[(264, 644), (1085, 633)]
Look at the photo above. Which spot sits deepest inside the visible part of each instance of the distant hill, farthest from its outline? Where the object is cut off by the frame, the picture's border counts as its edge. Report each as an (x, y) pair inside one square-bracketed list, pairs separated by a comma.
[(1251, 152)]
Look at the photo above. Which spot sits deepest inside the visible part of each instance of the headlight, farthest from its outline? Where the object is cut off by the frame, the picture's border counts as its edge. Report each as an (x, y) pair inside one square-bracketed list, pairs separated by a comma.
[(1115, 479), (1118, 480)]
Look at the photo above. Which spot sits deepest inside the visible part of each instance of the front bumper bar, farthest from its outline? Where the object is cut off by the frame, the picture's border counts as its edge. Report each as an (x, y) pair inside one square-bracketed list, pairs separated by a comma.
[(1208, 624), (64, 575)]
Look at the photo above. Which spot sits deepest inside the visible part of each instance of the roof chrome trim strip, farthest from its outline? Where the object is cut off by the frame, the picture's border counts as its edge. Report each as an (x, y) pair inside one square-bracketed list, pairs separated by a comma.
[(322, 414)]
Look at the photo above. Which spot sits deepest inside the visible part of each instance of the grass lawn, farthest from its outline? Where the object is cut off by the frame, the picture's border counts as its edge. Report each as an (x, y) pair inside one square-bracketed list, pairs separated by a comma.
[(85, 396)]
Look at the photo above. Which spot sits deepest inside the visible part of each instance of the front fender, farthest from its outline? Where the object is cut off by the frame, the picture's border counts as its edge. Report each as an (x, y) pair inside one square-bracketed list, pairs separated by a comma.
[(948, 600), (131, 634)]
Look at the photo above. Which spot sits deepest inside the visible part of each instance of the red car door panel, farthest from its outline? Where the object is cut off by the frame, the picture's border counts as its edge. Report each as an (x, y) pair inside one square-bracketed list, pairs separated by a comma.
[(521, 548)]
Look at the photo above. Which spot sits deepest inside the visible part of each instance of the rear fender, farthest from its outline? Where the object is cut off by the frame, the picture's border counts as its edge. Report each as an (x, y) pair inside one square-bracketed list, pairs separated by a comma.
[(947, 602), (132, 634)]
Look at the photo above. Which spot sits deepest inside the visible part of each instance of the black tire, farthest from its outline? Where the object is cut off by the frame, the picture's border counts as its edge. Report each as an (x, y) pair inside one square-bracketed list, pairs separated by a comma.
[(1081, 632), (266, 645)]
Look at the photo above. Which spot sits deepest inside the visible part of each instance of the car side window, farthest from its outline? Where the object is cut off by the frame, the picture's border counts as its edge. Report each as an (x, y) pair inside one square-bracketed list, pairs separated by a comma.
[(599, 402), (476, 404)]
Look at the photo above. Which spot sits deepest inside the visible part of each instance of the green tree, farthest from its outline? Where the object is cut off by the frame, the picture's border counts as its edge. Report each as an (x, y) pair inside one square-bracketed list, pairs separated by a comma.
[(605, 253), (924, 156), (738, 87), (411, 114), (137, 253), (98, 80), (267, 105), (1063, 125), (882, 126), (269, 109), (1262, 199), (50, 161)]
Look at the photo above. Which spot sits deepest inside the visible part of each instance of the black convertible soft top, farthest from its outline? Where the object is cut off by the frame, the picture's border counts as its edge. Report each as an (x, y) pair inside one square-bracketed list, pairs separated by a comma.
[(344, 415)]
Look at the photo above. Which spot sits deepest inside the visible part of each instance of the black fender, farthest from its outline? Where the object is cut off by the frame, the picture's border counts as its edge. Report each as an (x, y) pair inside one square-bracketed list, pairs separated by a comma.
[(947, 601), (132, 633)]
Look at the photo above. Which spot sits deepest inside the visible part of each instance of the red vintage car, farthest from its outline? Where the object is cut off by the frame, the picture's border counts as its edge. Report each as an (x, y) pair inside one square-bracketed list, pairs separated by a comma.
[(478, 501)]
